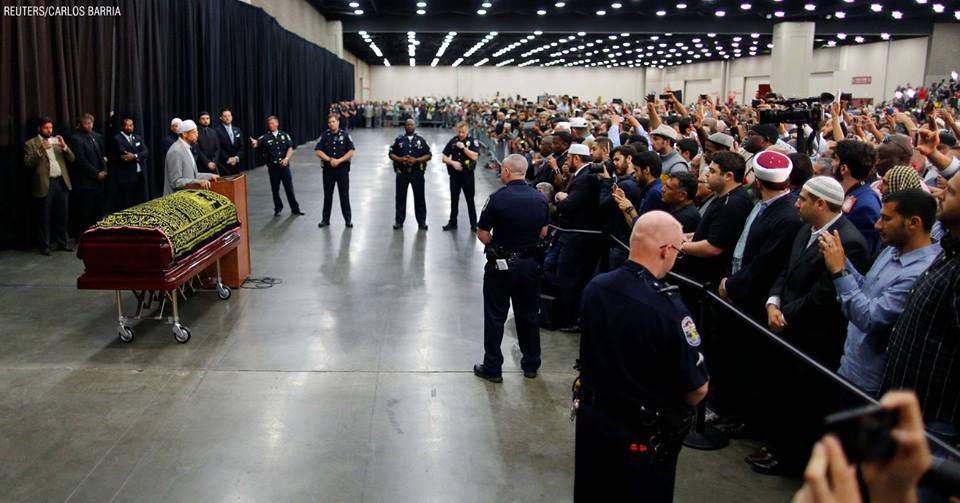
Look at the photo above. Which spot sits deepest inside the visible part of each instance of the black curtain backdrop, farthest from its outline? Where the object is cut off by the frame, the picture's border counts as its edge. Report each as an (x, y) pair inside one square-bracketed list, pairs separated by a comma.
[(159, 59)]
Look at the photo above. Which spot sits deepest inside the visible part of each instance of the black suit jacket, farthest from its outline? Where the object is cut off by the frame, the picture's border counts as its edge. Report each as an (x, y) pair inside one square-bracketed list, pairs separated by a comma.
[(208, 146), (126, 171), (808, 298), (88, 150), (767, 250), (581, 208), (229, 147)]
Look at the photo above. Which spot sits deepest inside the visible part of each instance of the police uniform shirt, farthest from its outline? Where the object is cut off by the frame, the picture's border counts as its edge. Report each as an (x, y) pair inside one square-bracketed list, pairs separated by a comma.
[(457, 154), (275, 145), (335, 145), (414, 146), (638, 338), (516, 213)]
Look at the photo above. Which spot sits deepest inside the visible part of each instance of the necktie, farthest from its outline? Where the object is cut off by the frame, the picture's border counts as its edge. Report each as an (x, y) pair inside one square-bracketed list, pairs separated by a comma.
[(737, 263)]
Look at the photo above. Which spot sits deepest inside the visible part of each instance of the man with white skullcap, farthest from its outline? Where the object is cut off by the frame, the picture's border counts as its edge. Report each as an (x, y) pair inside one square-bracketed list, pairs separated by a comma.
[(803, 307), (180, 166)]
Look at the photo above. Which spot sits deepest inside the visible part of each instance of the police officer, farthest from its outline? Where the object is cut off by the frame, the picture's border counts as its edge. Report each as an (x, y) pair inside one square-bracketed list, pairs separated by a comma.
[(335, 149), (276, 147), (511, 226), (410, 153), (641, 373), (460, 155)]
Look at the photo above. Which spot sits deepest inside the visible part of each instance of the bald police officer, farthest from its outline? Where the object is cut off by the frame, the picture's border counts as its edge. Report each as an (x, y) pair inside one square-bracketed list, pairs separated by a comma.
[(641, 373), (460, 155), (335, 149), (511, 226), (410, 153)]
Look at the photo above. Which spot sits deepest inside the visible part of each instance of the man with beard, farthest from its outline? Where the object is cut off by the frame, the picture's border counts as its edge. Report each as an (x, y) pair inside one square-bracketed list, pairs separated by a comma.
[(759, 138), (649, 169), (88, 172), (208, 146), (47, 156), (180, 166), (624, 186), (853, 161), (128, 173)]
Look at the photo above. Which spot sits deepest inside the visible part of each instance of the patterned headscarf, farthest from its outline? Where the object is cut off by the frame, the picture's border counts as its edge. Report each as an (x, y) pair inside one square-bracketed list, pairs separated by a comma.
[(902, 177)]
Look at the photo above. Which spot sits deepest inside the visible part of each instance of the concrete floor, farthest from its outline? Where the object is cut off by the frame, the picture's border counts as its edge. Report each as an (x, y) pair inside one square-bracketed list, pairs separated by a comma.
[(350, 381)]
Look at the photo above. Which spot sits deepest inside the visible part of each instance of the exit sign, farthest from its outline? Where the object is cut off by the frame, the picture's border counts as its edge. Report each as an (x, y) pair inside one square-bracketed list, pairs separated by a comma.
[(862, 80)]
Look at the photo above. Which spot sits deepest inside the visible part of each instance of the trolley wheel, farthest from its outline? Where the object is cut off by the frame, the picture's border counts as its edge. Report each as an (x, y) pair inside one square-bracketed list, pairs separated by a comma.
[(181, 333), (125, 333), (223, 291)]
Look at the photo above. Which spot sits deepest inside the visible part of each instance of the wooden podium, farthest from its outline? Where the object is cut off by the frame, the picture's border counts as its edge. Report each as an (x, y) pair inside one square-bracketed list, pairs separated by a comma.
[(235, 266)]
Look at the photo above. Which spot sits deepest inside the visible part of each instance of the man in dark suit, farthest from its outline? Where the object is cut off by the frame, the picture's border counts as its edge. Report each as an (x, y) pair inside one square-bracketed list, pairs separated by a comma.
[(208, 146), (803, 307), (128, 176), (231, 144), (578, 207), (87, 173), (758, 257)]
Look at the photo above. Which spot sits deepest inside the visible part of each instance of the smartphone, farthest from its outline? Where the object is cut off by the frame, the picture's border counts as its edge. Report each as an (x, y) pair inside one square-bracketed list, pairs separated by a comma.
[(651, 97), (704, 97), (666, 96), (864, 432), (847, 97)]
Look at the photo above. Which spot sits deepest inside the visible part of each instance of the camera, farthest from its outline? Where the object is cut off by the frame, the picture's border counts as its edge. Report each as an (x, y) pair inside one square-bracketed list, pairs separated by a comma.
[(795, 110)]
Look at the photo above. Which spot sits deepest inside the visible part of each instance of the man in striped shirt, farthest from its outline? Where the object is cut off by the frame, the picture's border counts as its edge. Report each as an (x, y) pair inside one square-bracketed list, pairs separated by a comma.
[(923, 350)]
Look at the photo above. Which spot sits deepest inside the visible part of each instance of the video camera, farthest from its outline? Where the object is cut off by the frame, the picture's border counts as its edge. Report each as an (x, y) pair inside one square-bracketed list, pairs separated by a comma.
[(795, 110)]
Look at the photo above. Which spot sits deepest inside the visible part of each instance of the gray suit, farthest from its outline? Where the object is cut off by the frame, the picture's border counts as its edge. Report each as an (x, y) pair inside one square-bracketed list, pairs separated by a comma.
[(181, 168)]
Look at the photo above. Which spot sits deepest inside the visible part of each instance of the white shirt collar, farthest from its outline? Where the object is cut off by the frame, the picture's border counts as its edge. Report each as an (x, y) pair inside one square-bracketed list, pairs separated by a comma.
[(581, 169), (817, 232)]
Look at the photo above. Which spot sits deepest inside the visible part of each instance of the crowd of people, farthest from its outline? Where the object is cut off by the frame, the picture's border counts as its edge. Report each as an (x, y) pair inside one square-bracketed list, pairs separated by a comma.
[(843, 243), (837, 233)]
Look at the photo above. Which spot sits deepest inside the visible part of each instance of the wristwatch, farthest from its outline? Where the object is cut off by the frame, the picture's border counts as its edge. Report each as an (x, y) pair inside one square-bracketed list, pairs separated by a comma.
[(840, 274)]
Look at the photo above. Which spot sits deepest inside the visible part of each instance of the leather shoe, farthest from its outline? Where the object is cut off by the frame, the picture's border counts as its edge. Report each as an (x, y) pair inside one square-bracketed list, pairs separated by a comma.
[(424, 227), (397, 227), (736, 430), (530, 374), (773, 466), (66, 248), (298, 212), (450, 227), (761, 455), (45, 251), (276, 213), (572, 329), (349, 225), (323, 224), (484, 373)]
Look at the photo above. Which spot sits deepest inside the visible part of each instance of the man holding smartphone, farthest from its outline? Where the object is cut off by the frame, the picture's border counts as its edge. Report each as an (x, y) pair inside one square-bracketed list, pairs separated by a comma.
[(47, 156)]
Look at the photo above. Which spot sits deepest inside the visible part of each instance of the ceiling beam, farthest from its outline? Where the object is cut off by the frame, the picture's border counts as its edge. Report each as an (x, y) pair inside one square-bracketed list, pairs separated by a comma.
[(615, 24)]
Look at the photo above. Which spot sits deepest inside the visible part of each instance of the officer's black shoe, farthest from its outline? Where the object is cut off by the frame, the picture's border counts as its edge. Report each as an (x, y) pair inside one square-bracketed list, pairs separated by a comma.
[(449, 227), (276, 213), (298, 212), (397, 227), (349, 225), (572, 329), (482, 372), (424, 227), (45, 251), (323, 224), (530, 374)]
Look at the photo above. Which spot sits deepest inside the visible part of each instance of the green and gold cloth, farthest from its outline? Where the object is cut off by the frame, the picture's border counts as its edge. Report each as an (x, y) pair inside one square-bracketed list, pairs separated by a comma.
[(188, 218)]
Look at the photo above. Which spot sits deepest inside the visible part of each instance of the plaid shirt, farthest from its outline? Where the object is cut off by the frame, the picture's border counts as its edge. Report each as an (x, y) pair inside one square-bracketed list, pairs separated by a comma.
[(922, 354)]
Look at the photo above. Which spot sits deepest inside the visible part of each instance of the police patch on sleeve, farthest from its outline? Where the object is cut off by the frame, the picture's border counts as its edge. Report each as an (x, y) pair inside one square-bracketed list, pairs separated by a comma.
[(690, 331)]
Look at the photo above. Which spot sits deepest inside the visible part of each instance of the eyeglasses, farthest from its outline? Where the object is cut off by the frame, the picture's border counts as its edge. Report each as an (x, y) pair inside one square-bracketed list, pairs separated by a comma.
[(679, 249)]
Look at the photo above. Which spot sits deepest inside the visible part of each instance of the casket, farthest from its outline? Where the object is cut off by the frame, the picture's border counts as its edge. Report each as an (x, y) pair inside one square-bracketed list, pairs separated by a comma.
[(157, 247)]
